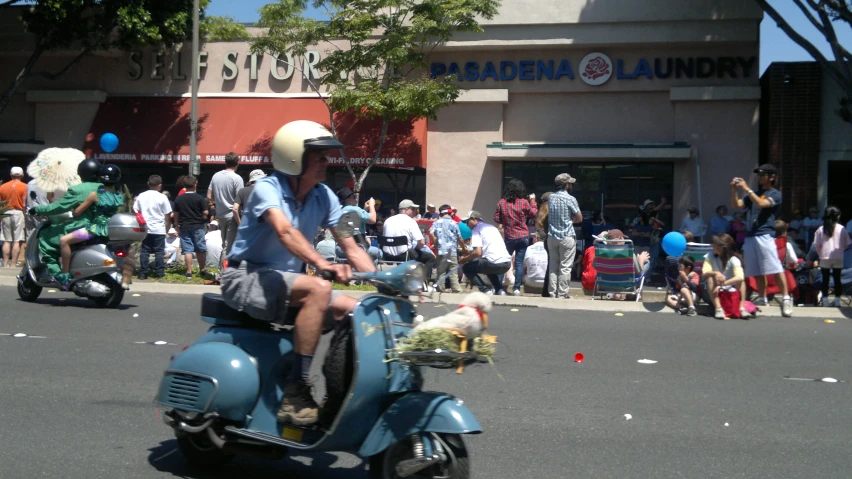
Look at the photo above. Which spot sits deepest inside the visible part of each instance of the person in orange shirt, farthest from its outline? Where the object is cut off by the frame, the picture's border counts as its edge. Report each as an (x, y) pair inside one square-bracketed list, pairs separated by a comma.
[(14, 192)]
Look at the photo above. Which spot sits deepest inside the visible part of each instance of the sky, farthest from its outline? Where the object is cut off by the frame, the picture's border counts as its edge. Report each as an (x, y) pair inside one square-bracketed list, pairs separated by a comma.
[(775, 46)]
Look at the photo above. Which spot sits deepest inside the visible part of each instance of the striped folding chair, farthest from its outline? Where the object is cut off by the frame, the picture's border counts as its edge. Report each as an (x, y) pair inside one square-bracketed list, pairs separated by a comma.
[(697, 251), (615, 269)]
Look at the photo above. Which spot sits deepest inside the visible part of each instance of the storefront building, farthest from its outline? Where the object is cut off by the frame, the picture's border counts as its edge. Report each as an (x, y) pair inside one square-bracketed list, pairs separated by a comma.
[(635, 98), (802, 133)]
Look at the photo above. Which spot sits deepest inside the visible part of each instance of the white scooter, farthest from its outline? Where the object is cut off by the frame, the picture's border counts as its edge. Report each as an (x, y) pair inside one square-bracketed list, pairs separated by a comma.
[(96, 266)]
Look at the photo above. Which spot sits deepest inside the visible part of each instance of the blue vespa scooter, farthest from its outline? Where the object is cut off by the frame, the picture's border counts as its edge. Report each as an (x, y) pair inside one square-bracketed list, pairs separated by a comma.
[(222, 393)]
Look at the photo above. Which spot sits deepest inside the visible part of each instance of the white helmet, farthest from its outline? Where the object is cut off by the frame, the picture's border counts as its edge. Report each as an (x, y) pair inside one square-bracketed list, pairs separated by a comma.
[(293, 140)]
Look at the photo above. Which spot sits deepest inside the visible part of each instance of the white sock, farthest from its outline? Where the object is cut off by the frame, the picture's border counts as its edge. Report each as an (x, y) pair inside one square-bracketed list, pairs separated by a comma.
[(766, 299), (786, 296)]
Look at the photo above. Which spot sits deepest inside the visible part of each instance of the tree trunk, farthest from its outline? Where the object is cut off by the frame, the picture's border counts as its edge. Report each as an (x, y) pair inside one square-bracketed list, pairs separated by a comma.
[(366, 171), (20, 79)]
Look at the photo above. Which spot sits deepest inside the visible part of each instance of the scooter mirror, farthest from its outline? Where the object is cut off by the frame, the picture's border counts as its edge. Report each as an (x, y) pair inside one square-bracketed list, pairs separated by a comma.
[(349, 224)]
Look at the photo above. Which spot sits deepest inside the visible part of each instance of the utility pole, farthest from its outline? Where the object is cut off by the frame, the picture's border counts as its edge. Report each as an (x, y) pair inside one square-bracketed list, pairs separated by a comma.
[(194, 164)]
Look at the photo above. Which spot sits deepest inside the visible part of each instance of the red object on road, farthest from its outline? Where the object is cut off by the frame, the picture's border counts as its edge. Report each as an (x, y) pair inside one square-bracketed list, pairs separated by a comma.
[(578, 358)]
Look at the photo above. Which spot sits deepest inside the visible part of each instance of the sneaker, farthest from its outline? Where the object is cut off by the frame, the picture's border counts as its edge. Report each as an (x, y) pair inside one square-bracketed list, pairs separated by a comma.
[(189, 275), (744, 314), (720, 314), (298, 406), (690, 312), (835, 303), (502, 292), (489, 292), (457, 291), (516, 292), (760, 302), (825, 303), (787, 307), (143, 276)]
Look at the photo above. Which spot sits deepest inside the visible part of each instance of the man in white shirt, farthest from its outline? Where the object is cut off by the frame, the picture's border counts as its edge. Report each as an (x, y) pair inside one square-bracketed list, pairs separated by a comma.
[(488, 255), (157, 211), (213, 238), (693, 224), (535, 265), (223, 190), (403, 224)]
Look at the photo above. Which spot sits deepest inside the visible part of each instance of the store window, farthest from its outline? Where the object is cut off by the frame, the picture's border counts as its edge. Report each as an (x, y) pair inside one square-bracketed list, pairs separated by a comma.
[(617, 190)]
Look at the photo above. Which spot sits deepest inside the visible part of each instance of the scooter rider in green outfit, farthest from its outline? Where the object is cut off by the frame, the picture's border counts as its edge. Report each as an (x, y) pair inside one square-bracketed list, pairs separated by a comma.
[(48, 241)]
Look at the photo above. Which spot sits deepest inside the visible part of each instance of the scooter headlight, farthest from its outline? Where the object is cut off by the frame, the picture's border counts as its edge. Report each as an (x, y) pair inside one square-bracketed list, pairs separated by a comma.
[(415, 279)]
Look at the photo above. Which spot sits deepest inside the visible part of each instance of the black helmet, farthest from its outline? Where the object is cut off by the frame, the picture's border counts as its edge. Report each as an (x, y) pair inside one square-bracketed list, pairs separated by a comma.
[(88, 169), (109, 174)]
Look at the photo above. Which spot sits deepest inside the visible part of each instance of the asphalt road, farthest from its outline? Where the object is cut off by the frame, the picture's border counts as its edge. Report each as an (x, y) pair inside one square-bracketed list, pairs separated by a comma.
[(77, 402)]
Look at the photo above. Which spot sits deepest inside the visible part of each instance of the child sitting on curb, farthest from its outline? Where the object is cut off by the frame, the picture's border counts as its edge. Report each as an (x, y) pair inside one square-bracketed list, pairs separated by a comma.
[(687, 286)]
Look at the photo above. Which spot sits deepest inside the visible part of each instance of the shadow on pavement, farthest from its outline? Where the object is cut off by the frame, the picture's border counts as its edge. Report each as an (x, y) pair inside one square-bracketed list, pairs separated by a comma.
[(166, 458)]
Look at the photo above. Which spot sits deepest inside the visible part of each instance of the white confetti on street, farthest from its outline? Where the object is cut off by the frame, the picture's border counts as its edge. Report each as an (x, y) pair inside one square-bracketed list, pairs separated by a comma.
[(135, 315), (20, 335), (829, 380), (160, 343), (647, 361), (628, 417)]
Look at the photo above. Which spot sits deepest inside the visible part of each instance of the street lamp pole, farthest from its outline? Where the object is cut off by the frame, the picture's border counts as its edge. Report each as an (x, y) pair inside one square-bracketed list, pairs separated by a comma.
[(194, 164)]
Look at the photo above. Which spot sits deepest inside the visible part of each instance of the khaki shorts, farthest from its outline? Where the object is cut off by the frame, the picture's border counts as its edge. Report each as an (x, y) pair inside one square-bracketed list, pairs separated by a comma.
[(13, 226), (263, 293)]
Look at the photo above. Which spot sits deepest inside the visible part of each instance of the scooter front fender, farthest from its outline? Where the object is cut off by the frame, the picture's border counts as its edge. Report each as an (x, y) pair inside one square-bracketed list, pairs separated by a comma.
[(419, 412)]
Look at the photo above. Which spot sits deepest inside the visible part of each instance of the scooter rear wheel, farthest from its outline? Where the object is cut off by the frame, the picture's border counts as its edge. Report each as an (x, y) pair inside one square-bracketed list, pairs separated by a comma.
[(114, 298), (457, 465), (28, 290), (198, 450)]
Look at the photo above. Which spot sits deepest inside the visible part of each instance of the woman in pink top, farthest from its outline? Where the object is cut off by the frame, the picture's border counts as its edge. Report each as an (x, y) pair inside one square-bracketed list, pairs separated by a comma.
[(830, 241)]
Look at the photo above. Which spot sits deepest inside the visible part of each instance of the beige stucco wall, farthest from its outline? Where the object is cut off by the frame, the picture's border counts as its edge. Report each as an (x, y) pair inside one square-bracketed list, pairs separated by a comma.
[(457, 170)]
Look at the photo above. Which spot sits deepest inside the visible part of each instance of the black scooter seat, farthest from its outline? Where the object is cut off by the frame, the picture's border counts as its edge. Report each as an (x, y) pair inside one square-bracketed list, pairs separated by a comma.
[(213, 308)]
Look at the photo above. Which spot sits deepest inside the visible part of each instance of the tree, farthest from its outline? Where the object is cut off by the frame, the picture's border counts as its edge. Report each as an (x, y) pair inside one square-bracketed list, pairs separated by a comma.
[(89, 26), (383, 72), (824, 15)]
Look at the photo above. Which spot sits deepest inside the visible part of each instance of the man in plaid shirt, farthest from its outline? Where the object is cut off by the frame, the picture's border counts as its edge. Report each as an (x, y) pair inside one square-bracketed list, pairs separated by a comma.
[(561, 239), (512, 214)]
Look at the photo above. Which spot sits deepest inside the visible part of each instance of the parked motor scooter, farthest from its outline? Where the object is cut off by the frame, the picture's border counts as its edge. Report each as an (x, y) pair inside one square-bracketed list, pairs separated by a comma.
[(222, 393), (96, 266)]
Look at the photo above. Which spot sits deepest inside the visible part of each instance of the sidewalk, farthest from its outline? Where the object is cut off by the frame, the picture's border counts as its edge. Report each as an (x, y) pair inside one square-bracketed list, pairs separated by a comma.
[(652, 303)]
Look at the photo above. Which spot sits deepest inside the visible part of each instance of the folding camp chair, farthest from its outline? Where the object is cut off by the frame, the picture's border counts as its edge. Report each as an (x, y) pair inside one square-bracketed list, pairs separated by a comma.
[(393, 241), (615, 269)]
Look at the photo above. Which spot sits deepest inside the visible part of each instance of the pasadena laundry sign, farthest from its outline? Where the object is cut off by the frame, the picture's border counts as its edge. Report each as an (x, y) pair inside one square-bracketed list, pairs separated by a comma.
[(597, 68)]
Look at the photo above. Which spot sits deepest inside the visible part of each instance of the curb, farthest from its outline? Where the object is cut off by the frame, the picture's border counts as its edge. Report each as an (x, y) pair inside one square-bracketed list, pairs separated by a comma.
[(509, 301)]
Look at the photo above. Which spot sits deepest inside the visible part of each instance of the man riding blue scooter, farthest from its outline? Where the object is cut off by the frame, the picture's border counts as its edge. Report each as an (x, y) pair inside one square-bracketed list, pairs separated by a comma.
[(263, 277)]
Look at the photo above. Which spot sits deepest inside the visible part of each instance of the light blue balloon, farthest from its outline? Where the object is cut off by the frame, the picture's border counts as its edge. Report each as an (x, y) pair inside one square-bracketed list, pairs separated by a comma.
[(109, 142), (674, 243), (465, 231)]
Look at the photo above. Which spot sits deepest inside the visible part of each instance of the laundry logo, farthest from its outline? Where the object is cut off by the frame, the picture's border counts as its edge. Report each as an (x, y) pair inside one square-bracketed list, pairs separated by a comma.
[(596, 68)]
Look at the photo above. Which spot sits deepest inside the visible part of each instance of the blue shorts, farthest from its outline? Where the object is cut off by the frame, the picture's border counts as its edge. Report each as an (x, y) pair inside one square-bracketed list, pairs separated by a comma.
[(193, 241)]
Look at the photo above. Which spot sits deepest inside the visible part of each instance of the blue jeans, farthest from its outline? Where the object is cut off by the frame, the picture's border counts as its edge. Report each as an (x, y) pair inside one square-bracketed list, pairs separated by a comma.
[(519, 247), (494, 272), (153, 244)]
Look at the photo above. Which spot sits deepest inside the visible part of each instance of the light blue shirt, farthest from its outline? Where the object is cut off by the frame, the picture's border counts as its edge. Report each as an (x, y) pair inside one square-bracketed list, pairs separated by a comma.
[(560, 215), (364, 214), (447, 232), (258, 243)]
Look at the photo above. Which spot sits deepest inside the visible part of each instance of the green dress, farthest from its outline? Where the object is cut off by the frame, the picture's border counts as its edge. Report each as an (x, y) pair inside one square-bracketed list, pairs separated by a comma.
[(107, 205), (48, 240)]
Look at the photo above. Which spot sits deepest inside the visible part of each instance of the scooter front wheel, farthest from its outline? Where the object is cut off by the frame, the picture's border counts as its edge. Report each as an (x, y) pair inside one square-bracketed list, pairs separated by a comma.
[(28, 290), (455, 465)]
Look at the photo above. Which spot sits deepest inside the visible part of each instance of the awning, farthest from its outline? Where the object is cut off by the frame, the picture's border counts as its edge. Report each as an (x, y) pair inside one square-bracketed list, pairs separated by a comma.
[(156, 130), (603, 151)]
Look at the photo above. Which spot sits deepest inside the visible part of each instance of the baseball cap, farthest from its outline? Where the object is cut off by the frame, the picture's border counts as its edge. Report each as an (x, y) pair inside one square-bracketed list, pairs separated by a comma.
[(563, 179), (17, 171), (647, 202), (344, 193), (472, 215), (214, 223), (407, 204), (430, 205), (256, 175), (172, 231), (765, 168)]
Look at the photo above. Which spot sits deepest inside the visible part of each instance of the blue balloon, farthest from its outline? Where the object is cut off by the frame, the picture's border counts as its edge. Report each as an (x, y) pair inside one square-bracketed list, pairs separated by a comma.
[(109, 142), (465, 231), (674, 244)]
